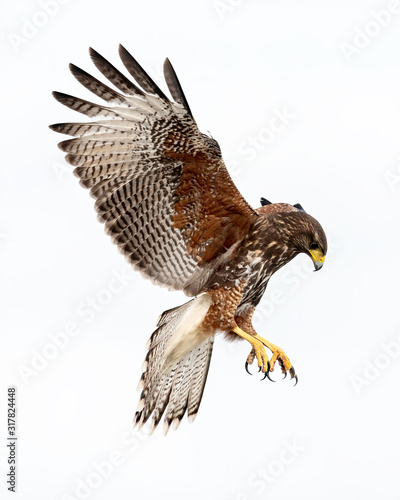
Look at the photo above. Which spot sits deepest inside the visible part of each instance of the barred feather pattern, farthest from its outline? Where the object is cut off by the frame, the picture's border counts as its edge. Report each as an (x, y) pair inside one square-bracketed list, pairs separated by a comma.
[(179, 389), (166, 200), (151, 172)]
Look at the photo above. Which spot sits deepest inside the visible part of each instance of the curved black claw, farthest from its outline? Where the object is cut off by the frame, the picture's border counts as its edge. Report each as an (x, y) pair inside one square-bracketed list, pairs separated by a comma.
[(284, 376), (259, 369), (246, 365), (266, 374), (293, 375)]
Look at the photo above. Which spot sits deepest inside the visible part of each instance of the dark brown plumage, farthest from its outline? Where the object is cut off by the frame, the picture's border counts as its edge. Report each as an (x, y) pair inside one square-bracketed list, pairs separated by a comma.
[(167, 200)]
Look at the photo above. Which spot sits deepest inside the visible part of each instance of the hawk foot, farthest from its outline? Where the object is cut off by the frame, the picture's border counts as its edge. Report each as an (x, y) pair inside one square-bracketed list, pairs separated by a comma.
[(286, 366), (267, 366), (258, 352), (249, 361)]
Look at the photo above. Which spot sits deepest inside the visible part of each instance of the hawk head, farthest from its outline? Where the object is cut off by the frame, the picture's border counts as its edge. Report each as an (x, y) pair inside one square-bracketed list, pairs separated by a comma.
[(317, 244), (307, 236), (297, 230)]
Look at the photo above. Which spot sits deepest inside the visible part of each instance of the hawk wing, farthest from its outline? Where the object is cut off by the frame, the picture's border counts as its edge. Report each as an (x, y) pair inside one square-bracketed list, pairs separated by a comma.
[(161, 186)]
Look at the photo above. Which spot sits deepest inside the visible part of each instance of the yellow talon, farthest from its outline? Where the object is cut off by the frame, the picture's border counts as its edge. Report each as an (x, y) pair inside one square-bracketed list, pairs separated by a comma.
[(278, 354), (283, 361), (251, 356), (259, 352), (258, 349)]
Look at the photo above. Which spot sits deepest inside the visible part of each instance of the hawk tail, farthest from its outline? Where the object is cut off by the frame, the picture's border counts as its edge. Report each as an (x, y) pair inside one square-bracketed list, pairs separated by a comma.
[(176, 366)]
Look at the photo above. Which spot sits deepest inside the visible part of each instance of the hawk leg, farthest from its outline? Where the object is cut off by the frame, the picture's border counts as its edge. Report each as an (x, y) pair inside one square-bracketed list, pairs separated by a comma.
[(258, 351)]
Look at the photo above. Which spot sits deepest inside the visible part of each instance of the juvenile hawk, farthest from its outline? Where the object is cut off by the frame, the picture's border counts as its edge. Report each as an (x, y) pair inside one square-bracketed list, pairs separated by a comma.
[(166, 199)]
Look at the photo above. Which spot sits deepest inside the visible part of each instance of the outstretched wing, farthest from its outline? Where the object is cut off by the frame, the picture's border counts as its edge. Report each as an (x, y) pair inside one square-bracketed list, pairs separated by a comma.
[(161, 187)]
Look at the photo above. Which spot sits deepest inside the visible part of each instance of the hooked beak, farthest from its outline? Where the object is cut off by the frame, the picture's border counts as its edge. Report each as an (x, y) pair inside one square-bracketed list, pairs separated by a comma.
[(318, 258)]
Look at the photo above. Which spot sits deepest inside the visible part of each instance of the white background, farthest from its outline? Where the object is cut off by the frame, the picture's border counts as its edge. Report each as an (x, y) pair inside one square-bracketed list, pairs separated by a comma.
[(336, 434)]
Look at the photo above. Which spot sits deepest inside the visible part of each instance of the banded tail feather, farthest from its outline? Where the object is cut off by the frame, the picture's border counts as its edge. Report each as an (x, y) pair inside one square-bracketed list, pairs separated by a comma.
[(176, 366), (167, 201)]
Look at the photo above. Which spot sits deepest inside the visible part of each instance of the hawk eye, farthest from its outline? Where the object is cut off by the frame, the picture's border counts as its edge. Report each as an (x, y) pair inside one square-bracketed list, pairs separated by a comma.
[(314, 246)]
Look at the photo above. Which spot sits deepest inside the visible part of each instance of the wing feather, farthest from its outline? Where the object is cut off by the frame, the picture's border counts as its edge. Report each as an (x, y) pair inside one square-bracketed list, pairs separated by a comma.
[(160, 185), (139, 74), (114, 75), (174, 85), (97, 87)]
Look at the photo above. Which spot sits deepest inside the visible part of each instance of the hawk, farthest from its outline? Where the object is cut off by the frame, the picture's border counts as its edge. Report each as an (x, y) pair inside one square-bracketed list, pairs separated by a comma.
[(166, 199)]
